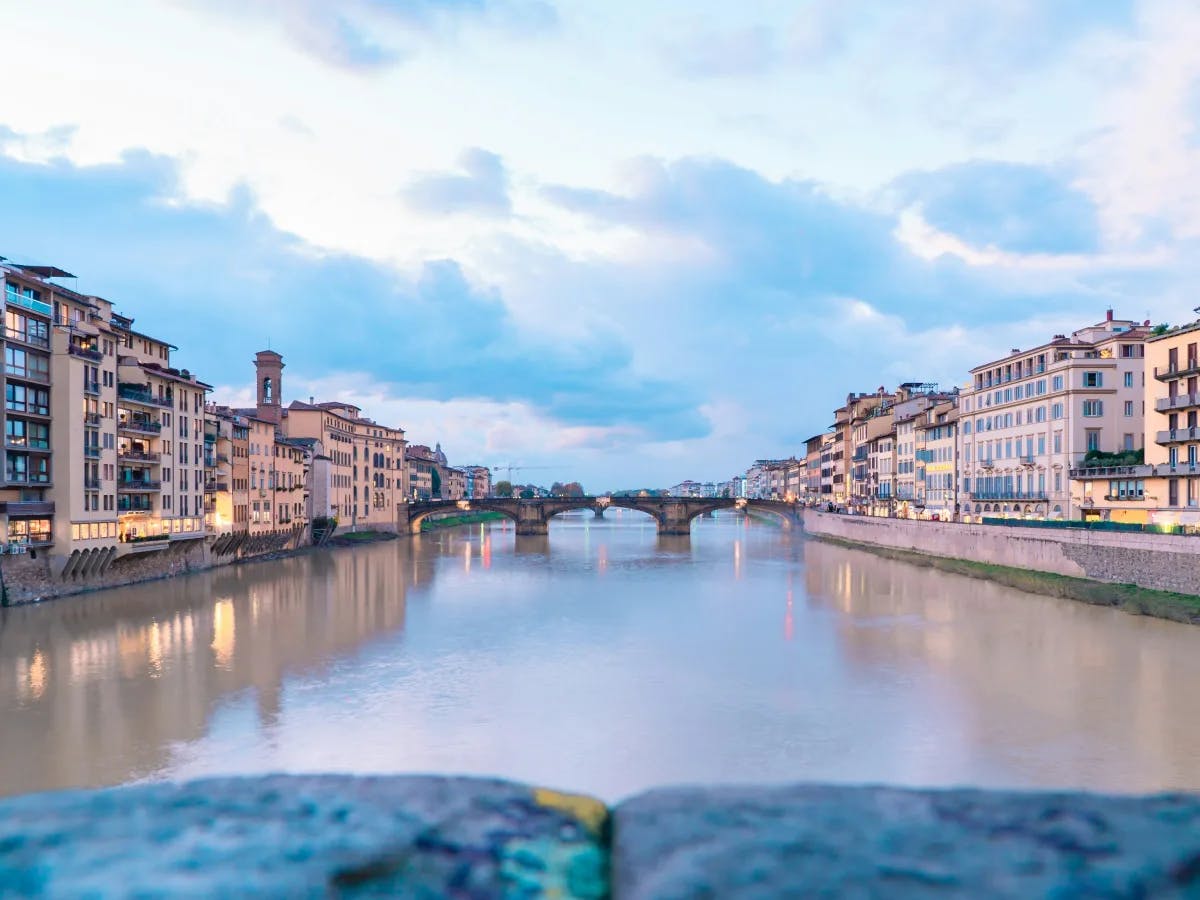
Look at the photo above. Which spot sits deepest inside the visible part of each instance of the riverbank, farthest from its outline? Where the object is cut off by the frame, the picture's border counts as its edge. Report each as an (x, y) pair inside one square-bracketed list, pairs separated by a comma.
[(975, 555), (470, 518)]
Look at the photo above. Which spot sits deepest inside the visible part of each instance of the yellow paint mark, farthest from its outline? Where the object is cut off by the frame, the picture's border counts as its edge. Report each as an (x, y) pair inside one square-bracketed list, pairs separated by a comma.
[(588, 811)]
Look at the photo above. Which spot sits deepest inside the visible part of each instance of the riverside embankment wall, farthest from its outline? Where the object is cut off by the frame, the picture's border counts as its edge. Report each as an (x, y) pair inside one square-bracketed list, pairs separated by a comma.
[(1164, 562)]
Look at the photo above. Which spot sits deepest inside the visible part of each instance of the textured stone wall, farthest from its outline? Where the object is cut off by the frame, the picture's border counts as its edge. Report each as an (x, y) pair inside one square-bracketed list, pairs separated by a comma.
[(29, 578), (1165, 562), (322, 836)]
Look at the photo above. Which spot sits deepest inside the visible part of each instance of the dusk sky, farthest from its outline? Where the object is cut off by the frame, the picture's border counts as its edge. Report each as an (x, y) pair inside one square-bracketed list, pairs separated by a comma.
[(631, 242)]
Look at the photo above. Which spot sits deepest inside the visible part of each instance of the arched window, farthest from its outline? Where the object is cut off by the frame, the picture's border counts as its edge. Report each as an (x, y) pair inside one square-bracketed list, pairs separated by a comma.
[(268, 390)]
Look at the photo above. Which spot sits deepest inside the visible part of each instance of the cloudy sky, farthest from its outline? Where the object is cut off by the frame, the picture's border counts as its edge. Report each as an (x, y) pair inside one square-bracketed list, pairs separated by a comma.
[(629, 242)]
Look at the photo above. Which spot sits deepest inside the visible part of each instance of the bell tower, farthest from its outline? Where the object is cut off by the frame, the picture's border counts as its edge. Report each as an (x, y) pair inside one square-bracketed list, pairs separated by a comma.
[(268, 370)]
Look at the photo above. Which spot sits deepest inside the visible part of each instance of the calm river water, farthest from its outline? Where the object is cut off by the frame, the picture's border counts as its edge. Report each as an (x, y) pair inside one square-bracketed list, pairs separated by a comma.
[(602, 659)]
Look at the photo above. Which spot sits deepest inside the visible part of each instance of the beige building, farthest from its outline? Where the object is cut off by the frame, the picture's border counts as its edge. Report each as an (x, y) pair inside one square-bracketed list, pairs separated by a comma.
[(1164, 487), (104, 437), (355, 466), (1029, 418), (936, 438), (479, 481), (454, 483)]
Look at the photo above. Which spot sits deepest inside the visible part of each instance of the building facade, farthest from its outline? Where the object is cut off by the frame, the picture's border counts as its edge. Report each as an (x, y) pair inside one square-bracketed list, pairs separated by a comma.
[(1030, 419)]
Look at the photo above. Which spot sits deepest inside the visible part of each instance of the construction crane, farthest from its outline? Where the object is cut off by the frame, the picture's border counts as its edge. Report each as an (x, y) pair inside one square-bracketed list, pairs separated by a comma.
[(511, 468)]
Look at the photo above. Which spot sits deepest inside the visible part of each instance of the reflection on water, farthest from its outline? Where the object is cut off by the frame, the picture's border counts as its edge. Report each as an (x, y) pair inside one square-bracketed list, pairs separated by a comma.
[(603, 658)]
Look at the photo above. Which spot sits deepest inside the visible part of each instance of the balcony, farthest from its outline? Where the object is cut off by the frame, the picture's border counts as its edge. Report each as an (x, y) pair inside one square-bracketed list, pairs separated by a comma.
[(1106, 472), (87, 353), (91, 484), (1026, 460), (1177, 435), (1125, 498), (1180, 401), (216, 487), (210, 462), (223, 458), (37, 479), (26, 375), (27, 508), (135, 394), (33, 340), (90, 386), (133, 505), (1035, 496), (139, 426), (138, 486), (15, 298), (1166, 373), (91, 451), (92, 419), (139, 456)]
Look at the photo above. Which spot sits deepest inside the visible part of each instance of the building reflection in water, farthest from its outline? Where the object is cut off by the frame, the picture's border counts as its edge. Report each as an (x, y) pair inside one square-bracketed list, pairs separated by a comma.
[(477, 651), (96, 689), (1050, 686)]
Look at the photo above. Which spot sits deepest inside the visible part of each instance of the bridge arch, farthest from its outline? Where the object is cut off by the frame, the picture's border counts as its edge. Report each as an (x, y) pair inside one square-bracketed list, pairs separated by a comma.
[(419, 512)]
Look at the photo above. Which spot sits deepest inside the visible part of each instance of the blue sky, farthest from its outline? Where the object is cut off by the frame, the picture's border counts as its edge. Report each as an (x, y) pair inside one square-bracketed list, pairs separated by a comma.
[(633, 242)]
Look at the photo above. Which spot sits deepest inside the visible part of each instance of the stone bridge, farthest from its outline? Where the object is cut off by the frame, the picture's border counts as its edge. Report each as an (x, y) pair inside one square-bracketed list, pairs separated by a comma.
[(674, 515)]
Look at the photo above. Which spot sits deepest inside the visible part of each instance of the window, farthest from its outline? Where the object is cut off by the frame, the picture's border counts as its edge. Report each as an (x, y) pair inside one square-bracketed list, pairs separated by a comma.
[(1093, 439), (1128, 443), (1093, 379), (1128, 379), (1093, 408), (1056, 411), (1057, 383), (1128, 407)]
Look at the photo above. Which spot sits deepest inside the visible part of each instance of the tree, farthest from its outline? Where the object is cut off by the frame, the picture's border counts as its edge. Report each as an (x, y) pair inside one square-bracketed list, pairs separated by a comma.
[(503, 489), (572, 489), (435, 488), (527, 494), (557, 489)]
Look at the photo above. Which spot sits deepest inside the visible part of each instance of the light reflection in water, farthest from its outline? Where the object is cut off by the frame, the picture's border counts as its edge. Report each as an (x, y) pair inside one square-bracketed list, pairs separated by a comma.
[(601, 658)]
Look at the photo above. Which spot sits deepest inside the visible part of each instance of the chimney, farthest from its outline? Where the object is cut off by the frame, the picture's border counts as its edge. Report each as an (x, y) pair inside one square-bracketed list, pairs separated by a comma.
[(1108, 316), (310, 401)]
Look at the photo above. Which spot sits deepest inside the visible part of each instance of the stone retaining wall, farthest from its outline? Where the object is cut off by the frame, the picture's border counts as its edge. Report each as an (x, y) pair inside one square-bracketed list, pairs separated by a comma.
[(1165, 562), (322, 836), (30, 577)]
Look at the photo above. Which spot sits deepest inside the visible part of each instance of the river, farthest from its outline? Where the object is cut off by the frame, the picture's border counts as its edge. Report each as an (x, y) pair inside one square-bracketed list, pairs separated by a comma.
[(602, 658)]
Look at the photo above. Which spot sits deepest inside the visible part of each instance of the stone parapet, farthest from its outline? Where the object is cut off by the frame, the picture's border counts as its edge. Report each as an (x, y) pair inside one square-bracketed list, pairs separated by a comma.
[(319, 836)]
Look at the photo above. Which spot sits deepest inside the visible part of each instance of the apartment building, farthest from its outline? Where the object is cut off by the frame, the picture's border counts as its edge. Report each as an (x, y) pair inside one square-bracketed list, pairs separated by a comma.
[(873, 419), (936, 439), (881, 470), (103, 435), (1029, 419), (1163, 488), (454, 483), (423, 476), (479, 481), (913, 400), (813, 451)]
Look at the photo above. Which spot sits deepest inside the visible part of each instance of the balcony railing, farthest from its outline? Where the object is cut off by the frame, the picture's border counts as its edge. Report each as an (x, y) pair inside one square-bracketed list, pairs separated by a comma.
[(1177, 435), (35, 340), (85, 353), (92, 484), (1104, 472), (16, 298), (142, 426), (92, 419), (138, 486), (1009, 495), (26, 478), (133, 504), (27, 375), (1124, 498), (91, 451), (138, 456), (1180, 401), (223, 457), (90, 386), (1166, 373), (209, 461), (140, 395)]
